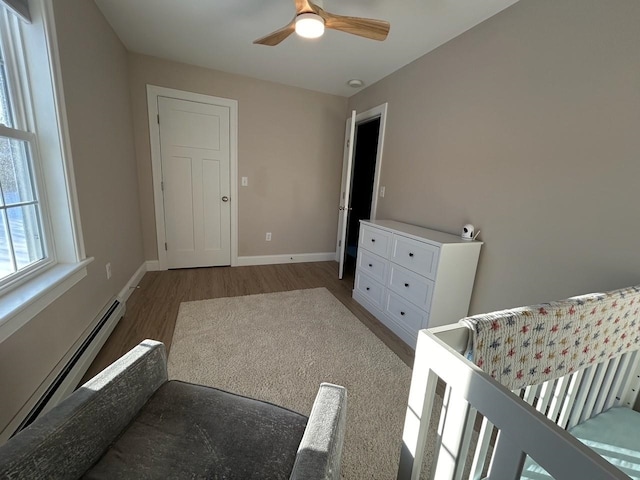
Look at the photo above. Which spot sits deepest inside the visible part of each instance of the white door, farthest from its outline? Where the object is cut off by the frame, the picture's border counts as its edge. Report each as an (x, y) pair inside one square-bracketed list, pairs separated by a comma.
[(345, 190), (195, 157)]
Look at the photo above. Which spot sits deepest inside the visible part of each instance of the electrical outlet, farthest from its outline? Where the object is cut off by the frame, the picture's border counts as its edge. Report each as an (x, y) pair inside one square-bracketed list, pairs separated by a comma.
[(108, 269), (382, 192), (245, 181), (268, 239)]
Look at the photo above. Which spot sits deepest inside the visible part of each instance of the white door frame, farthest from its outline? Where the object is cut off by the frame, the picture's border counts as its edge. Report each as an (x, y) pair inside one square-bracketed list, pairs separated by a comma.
[(153, 92), (379, 111)]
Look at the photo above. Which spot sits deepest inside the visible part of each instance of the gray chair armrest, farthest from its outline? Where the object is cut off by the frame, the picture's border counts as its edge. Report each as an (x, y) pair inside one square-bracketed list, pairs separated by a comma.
[(320, 450), (69, 439)]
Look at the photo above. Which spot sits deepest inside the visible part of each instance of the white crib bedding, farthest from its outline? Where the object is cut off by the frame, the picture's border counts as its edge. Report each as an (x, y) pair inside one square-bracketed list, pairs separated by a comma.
[(614, 434)]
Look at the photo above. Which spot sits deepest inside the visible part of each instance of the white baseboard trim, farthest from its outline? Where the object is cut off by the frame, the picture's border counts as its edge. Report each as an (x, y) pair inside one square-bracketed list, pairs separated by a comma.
[(292, 258), (128, 289), (153, 265), (73, 378), (40, 401)]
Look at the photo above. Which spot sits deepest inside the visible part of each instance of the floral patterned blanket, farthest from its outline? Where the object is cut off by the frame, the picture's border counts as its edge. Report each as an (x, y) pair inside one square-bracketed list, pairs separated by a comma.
[(529, 345)]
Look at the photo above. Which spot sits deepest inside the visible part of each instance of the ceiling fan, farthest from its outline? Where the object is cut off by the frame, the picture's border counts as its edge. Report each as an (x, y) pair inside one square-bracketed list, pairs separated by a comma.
[(310, 21)]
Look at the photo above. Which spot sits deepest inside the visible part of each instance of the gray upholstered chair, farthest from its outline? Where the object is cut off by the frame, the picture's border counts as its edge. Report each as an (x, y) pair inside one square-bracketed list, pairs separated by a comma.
[(131, 422)]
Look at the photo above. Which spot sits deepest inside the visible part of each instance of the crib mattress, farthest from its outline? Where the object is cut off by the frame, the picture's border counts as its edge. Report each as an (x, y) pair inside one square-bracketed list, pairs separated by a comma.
[(613, 434)]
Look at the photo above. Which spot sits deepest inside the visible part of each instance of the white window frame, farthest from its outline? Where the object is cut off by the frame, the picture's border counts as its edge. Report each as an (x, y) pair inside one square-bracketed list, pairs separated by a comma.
[(13, 56), (37, 81), (22, 275)]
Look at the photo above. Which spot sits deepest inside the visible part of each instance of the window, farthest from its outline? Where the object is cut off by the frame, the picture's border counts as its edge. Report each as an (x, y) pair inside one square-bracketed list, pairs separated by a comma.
[(41, 246), (23, 237)]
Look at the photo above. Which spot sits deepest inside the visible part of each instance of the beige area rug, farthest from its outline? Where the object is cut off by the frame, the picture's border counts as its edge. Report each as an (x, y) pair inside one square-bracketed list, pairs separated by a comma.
[(279, 347)]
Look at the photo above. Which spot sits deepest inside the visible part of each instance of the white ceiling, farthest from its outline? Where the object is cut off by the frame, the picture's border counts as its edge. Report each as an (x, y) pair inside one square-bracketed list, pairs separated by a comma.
[(218, 34)]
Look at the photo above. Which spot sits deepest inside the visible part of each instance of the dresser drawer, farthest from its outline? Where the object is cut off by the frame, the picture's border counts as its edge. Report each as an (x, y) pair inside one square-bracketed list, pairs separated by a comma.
[(411, 286), (369, 288), (404, 313), (418, 257), (373, 265), (376, 241)]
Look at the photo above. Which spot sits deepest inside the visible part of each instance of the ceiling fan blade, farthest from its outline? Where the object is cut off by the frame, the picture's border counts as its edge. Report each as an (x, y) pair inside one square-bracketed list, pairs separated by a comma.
[(276, 37), (305, 6), (363, 27)]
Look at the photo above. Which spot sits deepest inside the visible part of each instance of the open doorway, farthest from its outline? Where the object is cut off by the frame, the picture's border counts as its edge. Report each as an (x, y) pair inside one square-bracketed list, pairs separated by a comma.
[(365, 156), (364, 139)]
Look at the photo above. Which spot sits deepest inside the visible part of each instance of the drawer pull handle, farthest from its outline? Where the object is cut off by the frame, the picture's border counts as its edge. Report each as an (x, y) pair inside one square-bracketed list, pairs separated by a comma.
[(410, 254), (401, 313), (373, 240), (406, 285), (368, 289), (371, 264)]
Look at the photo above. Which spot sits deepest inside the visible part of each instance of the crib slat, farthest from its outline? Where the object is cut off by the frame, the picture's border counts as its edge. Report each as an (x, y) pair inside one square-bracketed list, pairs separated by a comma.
[(530, 394), (558, 397), (593, 391), (632, 382), (418, 416), (581, 398), (605, 388), (572, 393), (480, 455), (455, 430), (507, 460), (546, 392), (446, 402), (466, 441), (621, 375)]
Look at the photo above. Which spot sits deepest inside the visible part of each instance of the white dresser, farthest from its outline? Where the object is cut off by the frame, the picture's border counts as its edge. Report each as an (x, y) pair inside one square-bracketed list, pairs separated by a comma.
[(412, 278)]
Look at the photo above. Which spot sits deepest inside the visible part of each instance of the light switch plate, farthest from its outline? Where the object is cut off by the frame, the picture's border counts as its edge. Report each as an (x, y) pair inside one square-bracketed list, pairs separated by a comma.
[(245, 181), (382, 191)]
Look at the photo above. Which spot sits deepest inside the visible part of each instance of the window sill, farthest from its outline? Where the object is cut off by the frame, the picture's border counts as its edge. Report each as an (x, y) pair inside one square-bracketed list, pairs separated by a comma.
[(23, 303)]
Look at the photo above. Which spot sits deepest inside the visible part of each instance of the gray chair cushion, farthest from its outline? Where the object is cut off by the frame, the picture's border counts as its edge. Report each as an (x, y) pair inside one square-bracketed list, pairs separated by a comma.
[(192, 431)]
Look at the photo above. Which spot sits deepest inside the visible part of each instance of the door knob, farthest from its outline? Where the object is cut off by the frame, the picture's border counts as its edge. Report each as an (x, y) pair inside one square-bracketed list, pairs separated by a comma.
[(225, 199)]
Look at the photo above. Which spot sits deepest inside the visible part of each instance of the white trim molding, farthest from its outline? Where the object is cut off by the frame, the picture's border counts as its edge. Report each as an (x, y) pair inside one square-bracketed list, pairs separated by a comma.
[(292, 258), (153, 92), (26, 301), (379, 111), (376, 112), (153, 266), (77, 249), (75, 374), (132, 284)]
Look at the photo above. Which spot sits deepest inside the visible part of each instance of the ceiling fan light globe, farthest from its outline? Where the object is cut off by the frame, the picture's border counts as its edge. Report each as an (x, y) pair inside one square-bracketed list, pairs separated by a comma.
[(309, 25)]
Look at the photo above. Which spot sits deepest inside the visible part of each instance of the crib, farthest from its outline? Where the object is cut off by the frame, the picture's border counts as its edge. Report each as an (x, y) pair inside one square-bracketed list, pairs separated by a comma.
[(538, 392)]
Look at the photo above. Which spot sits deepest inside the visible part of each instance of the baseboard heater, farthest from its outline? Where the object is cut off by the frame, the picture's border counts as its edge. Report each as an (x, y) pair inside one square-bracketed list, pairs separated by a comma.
[(85, 352)]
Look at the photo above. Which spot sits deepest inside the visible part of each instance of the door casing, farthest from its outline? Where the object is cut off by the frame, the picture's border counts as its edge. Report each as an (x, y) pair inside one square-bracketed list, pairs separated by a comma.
[(379, 111), (153, 92)]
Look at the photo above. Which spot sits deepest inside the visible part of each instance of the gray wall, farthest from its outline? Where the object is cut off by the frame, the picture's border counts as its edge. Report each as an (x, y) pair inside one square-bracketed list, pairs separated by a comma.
[(94, 71), (289, 145), (527, 126)]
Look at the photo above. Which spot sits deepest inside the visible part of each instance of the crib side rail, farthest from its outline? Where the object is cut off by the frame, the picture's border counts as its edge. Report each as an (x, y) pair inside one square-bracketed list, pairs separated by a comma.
[(521, 428), (583, 394)]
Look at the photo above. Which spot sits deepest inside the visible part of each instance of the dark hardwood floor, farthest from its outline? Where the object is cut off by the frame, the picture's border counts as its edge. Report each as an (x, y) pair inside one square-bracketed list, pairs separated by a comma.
[(153, 307)]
